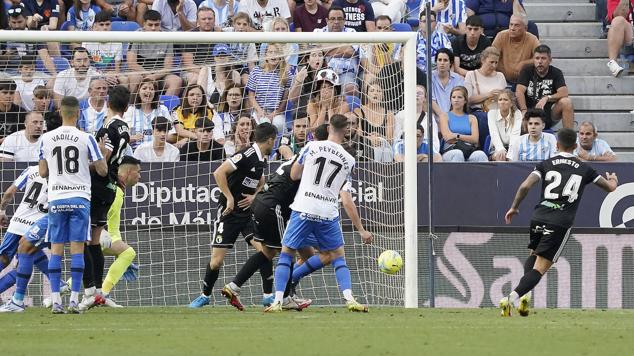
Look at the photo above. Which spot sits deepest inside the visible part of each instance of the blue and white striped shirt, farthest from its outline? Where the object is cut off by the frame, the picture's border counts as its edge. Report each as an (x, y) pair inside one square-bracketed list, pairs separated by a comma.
[(91, 119), (454, 14), (222, 13), (267, 89), (439, 40), (522, 149)]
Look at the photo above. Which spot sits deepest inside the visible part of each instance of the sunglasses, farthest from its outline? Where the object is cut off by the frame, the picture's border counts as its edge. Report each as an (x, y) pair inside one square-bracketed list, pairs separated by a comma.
[(15, 11)]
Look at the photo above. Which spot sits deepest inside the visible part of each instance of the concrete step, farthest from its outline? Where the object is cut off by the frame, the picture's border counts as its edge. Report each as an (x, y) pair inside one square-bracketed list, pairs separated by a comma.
[(625, 156), (569, 30), (578, 66), (608, 122), (597, 103), (577, 48), (619, 140), (603, 85), (545, 12)]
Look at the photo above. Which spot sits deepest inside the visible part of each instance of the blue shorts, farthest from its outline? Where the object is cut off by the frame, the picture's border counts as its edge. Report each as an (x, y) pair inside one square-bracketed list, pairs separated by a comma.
[(37, 233), (304, 230), (68, 220), (9, 245)]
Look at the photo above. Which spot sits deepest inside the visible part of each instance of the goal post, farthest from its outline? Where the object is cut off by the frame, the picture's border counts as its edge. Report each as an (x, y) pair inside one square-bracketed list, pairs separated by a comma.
[(410, 295)]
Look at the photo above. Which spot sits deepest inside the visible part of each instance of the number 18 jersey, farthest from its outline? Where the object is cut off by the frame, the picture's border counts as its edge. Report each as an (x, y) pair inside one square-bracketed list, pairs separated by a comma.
[(34, 203), (564, 177), (327, 170)]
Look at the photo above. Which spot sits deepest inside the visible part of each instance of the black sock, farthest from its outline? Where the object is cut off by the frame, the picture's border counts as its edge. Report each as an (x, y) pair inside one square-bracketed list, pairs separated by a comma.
[(211, 276), (529, 263), (528, 282), (249, 268), (97, 264), (88, 267), (290, 288), (266, 272)]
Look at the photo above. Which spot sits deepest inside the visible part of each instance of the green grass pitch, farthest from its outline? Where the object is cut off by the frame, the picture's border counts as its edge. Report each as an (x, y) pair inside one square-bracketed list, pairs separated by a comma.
[(317, 331)]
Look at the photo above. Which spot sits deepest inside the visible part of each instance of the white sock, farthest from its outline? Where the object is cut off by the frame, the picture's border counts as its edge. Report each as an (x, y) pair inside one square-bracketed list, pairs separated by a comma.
[(347, 295), (513, 297), (98, 291), (56, 298), (279, 296), (90, 291), (74, 297), (234, 287)]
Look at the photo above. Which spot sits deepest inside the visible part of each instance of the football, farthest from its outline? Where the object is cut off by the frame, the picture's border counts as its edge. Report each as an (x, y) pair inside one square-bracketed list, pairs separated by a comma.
[(390, 262)]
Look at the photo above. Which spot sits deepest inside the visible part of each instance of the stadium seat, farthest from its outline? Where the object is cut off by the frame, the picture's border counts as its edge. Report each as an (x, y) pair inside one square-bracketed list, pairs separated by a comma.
[(125, 26), (353, 102), (170, 101), (65, 25), (487, 145), (401, 27), (413, 8), (61, 64)]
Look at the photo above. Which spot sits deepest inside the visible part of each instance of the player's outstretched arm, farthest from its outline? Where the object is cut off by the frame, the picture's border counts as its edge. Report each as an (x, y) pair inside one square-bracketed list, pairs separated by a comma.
[(351, 210), (43, 167), (220, 175), (296, 171), (524, 188), (609, 183), (101, 167), (7, 198)]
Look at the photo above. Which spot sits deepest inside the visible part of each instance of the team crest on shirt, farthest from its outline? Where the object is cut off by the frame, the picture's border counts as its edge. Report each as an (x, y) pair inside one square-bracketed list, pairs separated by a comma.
[(236, 158)]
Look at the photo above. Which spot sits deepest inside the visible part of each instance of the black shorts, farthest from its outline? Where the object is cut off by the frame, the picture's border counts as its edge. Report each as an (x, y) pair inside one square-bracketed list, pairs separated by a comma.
[(269, 225), (549, 122), (548, 240), (100, 202), (227, 228)]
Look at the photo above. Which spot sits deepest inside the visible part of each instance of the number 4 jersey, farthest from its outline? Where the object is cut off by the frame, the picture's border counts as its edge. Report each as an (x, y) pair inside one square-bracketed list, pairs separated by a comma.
[(564, 177), (34, 202)]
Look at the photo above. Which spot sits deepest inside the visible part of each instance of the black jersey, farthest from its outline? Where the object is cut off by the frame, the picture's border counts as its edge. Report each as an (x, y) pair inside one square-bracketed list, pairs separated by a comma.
[(564, 177), (117, 136), (280, 189), (249, 164)]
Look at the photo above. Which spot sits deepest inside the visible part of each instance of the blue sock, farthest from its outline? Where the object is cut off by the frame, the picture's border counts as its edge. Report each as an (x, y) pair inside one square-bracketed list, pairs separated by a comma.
[(342, 273), (309, 266), (7, 281), (40, 260), (76, 271), (55, 272), (282, 271), (25, 269), (2, 266)]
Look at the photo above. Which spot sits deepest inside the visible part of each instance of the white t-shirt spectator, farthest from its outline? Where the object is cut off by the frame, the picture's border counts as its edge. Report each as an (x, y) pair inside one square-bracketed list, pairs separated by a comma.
[(145, 152), (260, 15), (67, 84), (17, 147), (26, 91), (104, 55), (169, 19)]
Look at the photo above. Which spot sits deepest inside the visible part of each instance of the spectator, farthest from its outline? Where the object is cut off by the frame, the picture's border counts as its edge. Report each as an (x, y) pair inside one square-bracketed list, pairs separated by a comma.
[(268, 88), (231, 104), (460, 131), (421, 106), (621, 32), (195, 56), (26, 82), (24, 145), (75, 80), (146, 108), (439, 40), (467, 47), (245, 54), (119, 8), (313, 63), (293, 142), (496, 14), (153, 60), (358, 13), (443, 81), (217, 78), (356, 144), (590, 147), (93, 110), (542, 86), (107, 57), (193, 107), (422, 148), (242, 134), (262, 12), (11, 115), (44, 14), (505, 125), (451, 15), (204, 148), (176, 15), (158, 149), (376, 56), (344, 60), (309, 16), (42, 104), (291, 50), (377, 123), (536, 145), (11, 53), (516, 48), (483, 85), (224, 10), (394, 9), (326, 99), (82, 15)]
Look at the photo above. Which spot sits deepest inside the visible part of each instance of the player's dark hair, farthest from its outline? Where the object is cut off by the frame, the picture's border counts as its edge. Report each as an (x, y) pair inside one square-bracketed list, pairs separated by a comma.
[(161, 123), (265, 131), (535, 113), (129, 160), (151, 15), (80, 50), (567, 138), (69, 107), (204, 123), (543, 49), (8, 85), (118, 99), (339, 122), (474, 21), (446, 51), (321, 132), (28, 60)]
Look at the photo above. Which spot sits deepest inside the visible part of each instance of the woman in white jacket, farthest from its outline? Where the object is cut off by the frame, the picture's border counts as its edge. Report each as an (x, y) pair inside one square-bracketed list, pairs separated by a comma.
[(505, 122)]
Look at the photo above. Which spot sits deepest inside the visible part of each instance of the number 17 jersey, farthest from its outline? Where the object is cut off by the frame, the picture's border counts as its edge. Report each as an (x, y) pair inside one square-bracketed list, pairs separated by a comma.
[(564, 177), (327, 170)]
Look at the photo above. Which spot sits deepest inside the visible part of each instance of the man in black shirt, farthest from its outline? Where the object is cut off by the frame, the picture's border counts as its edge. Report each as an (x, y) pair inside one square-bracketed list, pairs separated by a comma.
[(467, 48), (542, 86), (11, 116), (205, 148), (564, 178), (357, 145), (238, 178)]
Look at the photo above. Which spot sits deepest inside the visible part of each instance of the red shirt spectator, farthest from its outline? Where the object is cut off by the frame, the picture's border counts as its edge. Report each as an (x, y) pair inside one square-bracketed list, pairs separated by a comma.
[(309, 16)]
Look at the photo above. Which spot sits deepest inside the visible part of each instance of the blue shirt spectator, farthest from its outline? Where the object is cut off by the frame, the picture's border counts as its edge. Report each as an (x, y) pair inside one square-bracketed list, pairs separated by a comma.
[(591, 148), (83, 19), (223, 12), (439, 39), (440, 92)]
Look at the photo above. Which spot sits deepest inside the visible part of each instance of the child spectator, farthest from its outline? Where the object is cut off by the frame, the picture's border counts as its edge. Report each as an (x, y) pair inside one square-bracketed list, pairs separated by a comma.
[(158, 150), (536, 145), (27, 82)]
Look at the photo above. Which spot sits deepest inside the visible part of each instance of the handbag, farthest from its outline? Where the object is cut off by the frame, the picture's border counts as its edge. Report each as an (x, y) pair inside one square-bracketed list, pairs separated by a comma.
[(465, 147), (487, 102)]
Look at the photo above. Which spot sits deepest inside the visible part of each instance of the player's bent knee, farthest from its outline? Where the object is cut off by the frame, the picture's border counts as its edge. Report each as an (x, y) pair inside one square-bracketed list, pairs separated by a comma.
[(128, 255)]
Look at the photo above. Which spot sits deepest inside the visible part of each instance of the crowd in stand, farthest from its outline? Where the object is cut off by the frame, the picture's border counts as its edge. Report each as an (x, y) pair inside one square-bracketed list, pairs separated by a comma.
[(495, 94)]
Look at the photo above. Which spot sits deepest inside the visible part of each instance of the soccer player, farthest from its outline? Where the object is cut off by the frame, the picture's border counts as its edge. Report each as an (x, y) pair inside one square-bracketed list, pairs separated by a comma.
[(239, 178), (325, 170), (564, 177), (115, 133), (65, 157)]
